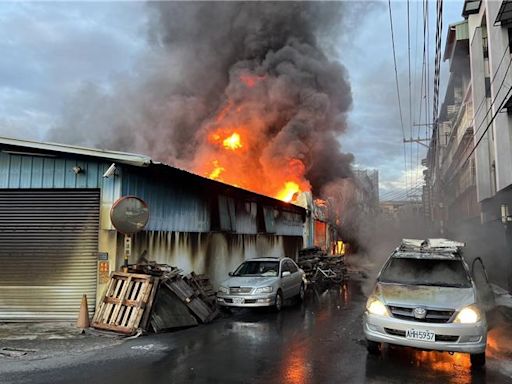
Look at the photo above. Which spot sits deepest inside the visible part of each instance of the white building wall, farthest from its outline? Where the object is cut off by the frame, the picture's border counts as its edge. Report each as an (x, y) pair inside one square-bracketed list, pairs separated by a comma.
[(502, 125)]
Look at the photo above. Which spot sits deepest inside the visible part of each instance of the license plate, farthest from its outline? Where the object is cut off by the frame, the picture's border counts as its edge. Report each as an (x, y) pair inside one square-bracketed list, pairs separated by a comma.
[(238, 300), (414, 334)]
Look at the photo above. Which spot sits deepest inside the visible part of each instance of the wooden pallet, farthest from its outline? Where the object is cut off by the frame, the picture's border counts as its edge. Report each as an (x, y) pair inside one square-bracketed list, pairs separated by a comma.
[(124, 302)]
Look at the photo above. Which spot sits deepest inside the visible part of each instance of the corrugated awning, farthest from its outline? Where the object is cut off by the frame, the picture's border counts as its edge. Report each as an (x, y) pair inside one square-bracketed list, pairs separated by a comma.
[(26, 147)]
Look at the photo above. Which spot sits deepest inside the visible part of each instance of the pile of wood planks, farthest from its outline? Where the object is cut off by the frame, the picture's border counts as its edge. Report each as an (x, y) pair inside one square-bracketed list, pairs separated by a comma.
[(158, 299), (321, 268)]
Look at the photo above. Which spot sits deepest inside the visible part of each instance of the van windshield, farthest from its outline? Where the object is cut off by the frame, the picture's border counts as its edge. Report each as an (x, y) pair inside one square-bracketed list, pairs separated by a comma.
[(435, 272), (258, 268)]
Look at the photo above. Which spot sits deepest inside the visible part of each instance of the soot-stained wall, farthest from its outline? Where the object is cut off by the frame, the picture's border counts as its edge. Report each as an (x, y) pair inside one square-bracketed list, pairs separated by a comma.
[(214, 253)]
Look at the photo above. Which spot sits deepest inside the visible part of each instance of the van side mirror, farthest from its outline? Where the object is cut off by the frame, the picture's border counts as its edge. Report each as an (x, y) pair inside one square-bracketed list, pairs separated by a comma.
[(230, 274), (286, 273)]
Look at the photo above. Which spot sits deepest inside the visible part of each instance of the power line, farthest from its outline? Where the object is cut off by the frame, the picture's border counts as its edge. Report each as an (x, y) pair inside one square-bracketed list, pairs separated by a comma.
[(409, 65), (397, 85)]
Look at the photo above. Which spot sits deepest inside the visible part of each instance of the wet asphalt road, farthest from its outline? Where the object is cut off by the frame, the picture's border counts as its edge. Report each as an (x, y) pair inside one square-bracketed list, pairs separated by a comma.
[(320, 341)]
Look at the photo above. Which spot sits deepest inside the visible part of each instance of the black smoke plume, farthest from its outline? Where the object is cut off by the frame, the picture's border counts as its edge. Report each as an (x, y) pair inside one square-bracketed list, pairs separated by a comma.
[(198, 56)]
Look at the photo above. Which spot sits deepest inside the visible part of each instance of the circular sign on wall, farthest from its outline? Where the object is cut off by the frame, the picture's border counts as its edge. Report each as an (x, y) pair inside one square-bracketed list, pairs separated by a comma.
[(129, 214)]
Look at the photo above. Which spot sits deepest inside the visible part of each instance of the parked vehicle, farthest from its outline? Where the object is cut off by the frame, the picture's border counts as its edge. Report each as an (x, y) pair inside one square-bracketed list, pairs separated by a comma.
[(425, 297), (262, 282)]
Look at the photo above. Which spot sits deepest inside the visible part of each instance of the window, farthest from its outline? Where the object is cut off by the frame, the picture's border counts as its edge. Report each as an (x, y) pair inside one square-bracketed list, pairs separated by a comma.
[(285, 266), (432, 272), (257, 268), (293, 267)]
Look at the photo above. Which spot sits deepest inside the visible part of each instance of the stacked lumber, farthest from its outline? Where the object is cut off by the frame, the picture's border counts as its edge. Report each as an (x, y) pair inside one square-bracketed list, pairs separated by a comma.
[(155, 297)]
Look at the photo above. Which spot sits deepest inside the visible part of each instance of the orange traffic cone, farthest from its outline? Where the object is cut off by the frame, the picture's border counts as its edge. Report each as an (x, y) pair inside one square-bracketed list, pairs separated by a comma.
[(83, 316)]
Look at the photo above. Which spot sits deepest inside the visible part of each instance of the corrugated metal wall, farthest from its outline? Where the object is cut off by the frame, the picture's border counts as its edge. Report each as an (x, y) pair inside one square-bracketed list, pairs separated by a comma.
[(48, 252), (25, 171), (173, 207), (177, 206)]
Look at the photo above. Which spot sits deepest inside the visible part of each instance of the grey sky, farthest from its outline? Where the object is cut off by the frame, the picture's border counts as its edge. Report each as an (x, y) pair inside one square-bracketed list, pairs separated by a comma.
[(51, 51)]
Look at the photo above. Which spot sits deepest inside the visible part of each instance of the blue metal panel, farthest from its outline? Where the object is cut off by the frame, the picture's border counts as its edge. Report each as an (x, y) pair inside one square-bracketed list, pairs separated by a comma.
[(171, 207), (289, 224), (246, 218), (91, 175), (81, 178), (48, 170), (59, 173), (26, 172), (15, 172), (5, 168), (37, 172), (69, 176)]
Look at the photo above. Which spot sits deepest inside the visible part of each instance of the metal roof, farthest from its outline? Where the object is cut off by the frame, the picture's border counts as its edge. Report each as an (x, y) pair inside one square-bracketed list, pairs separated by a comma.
[(120, 157), (151, 168)]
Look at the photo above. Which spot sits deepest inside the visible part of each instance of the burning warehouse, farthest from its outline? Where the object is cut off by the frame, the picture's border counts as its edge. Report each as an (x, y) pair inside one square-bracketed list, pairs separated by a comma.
[(242, 96), (57, 241)]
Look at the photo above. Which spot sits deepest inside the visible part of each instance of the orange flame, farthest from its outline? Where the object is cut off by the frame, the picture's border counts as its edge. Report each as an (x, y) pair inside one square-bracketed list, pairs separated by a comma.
[(232, 142), (237, 138), (289, 191), (217, 171), (250, 80)]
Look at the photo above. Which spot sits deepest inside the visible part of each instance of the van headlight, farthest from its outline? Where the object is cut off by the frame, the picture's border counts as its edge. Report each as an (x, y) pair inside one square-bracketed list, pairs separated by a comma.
[(263, 290), (223, 289), (468, 315), (376, 307)]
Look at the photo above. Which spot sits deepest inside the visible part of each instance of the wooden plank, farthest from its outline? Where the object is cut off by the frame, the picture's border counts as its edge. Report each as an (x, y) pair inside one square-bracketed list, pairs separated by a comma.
[(117, 307), (132, 291), (138, 312), (149, 306), (101, 308)]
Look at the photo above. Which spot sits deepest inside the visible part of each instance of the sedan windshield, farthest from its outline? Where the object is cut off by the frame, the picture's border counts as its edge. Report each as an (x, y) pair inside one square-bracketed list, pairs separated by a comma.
[(445, 273), (258, 268)]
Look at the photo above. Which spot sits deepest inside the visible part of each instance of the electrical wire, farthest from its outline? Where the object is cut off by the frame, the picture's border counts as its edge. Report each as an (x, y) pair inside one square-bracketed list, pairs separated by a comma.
[(397, 86)]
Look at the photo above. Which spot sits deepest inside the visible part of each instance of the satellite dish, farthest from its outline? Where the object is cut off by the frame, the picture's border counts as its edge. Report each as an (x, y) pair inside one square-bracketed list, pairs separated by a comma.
[(129, 215)]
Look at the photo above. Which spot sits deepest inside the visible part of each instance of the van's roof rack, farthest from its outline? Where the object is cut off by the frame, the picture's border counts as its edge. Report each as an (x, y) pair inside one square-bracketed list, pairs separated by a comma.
[(431, 246)]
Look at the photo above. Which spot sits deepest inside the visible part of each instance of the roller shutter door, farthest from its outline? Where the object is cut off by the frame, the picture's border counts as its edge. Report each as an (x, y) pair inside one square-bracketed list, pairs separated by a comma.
[(48, 252)]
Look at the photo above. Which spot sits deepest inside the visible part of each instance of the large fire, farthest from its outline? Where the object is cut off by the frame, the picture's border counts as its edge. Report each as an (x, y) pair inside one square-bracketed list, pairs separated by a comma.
[(289, 191), (232, 142), (237, 150)]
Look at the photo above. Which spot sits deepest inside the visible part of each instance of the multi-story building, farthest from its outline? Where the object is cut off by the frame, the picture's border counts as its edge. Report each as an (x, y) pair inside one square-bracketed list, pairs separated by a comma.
[(470, 156), (451, 165)]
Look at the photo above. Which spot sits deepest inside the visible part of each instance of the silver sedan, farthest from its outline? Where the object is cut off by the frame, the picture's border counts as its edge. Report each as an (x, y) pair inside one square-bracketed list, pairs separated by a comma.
[(262, 282)]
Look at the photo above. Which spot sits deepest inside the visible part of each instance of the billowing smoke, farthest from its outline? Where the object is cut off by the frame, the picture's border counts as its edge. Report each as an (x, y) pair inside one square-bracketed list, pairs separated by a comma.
[(242, 92)]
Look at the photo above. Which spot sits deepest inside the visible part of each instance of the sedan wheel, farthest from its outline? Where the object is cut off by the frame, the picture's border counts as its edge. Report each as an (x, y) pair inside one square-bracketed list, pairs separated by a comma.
[(477, 360), (302, 292), (279, 301)]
